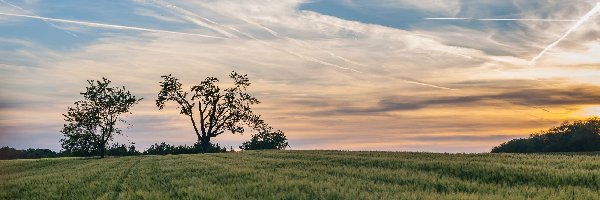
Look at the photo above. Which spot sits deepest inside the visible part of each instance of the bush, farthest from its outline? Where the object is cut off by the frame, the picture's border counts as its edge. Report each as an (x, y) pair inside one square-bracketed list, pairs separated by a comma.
[(122, 150), (578, 136), (266, 139), (164, 149), (40, 153)]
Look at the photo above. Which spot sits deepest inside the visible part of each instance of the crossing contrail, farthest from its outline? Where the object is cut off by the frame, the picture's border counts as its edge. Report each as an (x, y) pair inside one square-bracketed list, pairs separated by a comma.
[(579, 21), (194, 18), (583, 19), (500, 19), (108, 26), (191, 15), (47, 21)]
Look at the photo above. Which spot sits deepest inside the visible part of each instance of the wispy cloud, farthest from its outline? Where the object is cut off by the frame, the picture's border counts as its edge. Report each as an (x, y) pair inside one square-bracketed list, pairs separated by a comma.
[(501, 19), (583, 19), (196, 19), (463, 85), (45, 20), (109, 26)]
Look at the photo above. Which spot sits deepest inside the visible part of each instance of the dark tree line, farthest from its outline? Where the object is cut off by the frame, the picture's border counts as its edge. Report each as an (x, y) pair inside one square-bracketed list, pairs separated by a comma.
[(7, 153), (11, 153), (578, 136), (93, 122), (165, 149)]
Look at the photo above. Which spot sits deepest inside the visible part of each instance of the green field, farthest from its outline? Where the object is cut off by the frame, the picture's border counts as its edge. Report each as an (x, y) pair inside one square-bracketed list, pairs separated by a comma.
[(305, 175)]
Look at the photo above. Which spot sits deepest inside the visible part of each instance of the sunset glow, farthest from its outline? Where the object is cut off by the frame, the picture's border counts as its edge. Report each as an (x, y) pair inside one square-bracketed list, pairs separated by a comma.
[(348, 74)]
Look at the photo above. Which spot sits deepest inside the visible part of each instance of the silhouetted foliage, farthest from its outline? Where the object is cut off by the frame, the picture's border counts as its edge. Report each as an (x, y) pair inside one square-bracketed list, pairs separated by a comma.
[(40, 153), (122, 150), (217, 110), (578, 136), (91, 123), (165, 149), (266, 139), (7, 153)]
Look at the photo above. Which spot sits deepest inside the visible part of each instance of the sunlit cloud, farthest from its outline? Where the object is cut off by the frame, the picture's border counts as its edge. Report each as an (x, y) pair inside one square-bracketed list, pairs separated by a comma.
[(330, 81), (583, 19)]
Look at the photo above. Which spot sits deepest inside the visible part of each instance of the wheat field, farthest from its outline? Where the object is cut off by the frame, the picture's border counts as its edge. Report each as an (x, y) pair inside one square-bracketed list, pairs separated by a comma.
[(306, 175)]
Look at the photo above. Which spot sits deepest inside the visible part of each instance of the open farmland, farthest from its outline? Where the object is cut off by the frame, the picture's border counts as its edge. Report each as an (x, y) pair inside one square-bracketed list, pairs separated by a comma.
[(306, 175)]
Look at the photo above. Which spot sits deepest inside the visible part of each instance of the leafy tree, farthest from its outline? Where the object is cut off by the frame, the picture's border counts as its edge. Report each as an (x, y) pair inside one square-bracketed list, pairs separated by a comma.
[(92, 122), (266, 139), (211, 110), (578, 136)]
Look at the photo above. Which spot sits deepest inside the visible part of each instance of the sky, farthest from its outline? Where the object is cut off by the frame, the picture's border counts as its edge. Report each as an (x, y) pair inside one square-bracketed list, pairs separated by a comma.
[(383, 75)]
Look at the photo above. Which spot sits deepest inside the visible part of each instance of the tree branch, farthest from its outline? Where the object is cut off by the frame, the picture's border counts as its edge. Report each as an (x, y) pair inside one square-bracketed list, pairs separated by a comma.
[(212, 119), (202, 125)]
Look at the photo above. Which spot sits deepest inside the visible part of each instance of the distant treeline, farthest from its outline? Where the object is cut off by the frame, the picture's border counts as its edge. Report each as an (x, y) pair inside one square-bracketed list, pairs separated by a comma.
[(11, 153), (7, 153), (578, 136)]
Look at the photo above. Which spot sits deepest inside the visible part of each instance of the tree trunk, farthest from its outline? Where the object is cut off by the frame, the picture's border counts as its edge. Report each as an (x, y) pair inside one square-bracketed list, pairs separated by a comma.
[(102, 148), (204, 144)]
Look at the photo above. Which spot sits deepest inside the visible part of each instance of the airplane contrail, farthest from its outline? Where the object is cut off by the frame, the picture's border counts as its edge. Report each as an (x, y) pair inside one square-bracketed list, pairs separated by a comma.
[(582, 20), (275, 34), (426, 84), (109, 26), (47, 21), (188, 15), (500, 19)]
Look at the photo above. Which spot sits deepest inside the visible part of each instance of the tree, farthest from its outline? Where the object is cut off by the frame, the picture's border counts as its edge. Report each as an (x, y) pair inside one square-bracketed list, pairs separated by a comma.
[(7, 153), (92, 122), (217, 110), (12, 153), (577, 136), (266, 139)]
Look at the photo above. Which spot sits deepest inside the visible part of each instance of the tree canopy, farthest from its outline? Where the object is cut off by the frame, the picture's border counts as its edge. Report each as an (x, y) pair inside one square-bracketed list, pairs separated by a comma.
[(92, 122), (213, 110), (578, 136)]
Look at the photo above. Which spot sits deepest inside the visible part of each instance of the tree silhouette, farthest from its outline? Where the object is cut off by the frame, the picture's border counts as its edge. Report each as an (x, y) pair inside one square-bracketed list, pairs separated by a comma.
[(266, 139), (91, 123), (577, 136), (217, 110)]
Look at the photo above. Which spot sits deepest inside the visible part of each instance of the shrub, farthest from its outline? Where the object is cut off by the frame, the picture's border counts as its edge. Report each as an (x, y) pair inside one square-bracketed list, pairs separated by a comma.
[(266, 139), (164, 149)]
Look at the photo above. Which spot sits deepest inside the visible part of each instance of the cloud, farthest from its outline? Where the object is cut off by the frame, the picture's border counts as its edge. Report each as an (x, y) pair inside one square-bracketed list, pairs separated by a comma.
[(109, 26), (583, 19), (432, 87), (448, 7), (533, 98), (47, 21)]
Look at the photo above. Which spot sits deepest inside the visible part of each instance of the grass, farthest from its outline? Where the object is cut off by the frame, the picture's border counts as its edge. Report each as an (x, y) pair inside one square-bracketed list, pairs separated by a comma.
[(306, 175)]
